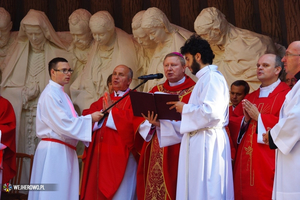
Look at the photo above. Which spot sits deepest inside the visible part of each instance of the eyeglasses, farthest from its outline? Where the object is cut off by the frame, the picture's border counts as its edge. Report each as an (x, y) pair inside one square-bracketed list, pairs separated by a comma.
[(65, 71), (291, 54)]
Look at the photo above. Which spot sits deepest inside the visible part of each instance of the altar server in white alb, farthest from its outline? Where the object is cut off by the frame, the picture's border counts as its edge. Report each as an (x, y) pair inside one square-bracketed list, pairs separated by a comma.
[(285, 135), (204, 170), (60, 128)]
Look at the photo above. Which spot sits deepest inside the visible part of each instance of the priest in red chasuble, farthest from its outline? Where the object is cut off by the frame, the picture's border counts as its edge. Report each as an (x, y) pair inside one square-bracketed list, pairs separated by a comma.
[(255, 162), (238, 90), (158, 164), (110, 161)]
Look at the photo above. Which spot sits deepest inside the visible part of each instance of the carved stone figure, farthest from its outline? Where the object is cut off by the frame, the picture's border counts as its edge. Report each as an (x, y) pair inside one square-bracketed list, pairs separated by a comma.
[(141, 36), (144, 46), (82, 39), (236, 50), (26, 73), (6, 36), (111, 47), (169, 38)]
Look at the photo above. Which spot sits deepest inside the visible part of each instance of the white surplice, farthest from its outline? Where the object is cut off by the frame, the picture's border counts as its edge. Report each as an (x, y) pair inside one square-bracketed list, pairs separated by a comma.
[(205, 170), (56, 163), (286, 136)]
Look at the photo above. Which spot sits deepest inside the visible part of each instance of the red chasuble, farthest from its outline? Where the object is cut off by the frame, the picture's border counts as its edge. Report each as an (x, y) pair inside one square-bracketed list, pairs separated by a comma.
[(8, 138), (255, 163), (157, 168), (105, 159)]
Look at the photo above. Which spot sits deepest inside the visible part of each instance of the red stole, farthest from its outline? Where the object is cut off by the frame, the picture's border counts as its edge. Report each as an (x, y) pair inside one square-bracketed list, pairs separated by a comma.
[(255, 163), (157, 169), (8, 138)]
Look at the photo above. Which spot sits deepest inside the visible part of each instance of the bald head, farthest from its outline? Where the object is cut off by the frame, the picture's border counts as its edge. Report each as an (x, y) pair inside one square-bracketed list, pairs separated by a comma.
[(121, 78), (269, 68), (291, 60)]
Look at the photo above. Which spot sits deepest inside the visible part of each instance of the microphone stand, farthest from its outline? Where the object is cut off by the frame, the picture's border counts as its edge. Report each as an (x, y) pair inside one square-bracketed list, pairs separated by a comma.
[(112, 105)]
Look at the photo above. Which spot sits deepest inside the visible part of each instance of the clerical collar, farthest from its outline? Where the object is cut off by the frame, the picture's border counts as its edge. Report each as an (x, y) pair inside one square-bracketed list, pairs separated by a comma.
[(265, 91), (177, 83), (233, 107), (120, 93), (297, 76)]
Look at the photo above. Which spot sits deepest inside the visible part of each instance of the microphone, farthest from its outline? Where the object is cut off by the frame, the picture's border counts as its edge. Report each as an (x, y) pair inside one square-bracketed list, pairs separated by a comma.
[(151, 76)]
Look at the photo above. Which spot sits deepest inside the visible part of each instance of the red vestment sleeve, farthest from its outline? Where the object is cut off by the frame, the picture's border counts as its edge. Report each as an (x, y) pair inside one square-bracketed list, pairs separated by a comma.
[(8, 138)]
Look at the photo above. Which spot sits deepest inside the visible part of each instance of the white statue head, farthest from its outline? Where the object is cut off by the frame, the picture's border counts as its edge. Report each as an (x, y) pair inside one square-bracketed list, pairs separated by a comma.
[(102, 26), (156, 24), (35, 36), (5, 27), (36, 28), (139, 33), (212, 25), (79, 28)]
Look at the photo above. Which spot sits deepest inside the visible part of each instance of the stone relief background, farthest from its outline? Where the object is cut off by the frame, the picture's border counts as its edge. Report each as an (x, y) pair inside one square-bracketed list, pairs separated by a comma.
[(277, 19)]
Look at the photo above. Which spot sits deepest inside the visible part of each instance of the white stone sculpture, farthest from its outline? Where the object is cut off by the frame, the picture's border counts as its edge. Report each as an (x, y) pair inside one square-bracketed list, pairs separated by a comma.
[(144, 46), (111, 47), (236, 50), (82, 40), (169, 38), (141, 36), (6, 36)]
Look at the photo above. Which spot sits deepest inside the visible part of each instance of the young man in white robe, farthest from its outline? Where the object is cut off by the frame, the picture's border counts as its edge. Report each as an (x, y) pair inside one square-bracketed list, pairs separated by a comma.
[(60, 128), (285, 135), (204, 170)]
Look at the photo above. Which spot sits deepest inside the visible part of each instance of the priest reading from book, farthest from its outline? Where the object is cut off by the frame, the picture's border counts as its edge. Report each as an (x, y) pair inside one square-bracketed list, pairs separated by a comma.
[(110, 161), (157, 168)]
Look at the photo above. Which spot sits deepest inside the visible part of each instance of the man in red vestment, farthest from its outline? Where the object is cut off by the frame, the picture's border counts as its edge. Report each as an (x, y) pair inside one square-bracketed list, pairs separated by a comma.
[(157, 168), (7, 141), (110, 160), (255, 162), (238, 90)]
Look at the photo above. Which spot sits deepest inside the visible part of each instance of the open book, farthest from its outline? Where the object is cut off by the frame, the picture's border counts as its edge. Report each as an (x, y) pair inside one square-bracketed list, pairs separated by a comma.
[(143, 102)]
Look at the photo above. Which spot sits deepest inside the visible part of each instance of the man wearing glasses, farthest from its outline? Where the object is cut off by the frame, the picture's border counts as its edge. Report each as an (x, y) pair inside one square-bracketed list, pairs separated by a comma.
[(60, 128), (285, 135), (25, 76)]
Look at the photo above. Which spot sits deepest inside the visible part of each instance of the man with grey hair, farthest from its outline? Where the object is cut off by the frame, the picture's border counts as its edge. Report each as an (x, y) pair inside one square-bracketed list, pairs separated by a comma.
[(167, 36), (110, 160), (255, 162), (82, 39), (155, 179), (111, 47)]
